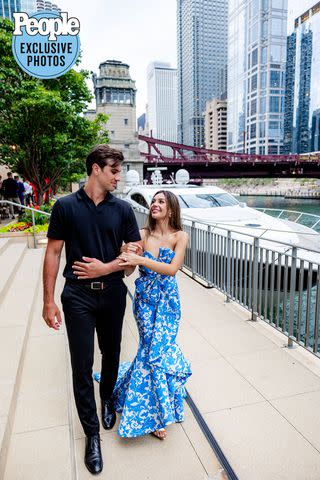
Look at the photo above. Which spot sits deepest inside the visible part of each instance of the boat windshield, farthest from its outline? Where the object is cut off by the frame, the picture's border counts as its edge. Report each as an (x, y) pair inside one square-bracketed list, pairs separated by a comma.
[(207, 200)]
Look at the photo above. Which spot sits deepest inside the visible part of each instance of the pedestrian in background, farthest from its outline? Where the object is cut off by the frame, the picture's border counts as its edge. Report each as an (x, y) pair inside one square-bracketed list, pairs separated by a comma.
[(10, 192), (21, 190)]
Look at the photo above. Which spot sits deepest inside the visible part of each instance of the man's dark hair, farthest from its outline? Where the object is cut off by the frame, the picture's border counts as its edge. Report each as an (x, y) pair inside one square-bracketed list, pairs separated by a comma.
[(16, 177), (9, 174), (100, 154)]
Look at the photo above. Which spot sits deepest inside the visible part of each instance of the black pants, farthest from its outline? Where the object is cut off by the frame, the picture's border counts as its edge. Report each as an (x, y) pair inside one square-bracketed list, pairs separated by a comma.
[(86, 310)]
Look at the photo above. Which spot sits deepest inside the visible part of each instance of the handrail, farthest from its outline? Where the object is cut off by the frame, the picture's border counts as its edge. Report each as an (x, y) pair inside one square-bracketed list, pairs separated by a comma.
[(33, 211)]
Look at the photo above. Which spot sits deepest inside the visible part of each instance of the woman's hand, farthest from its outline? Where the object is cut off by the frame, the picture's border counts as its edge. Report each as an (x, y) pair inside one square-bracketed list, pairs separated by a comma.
[(132, 247), (130, 259)]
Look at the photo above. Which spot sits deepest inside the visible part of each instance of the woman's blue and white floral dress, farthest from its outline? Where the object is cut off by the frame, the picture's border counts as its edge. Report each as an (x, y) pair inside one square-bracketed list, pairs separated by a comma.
[(150, 391)]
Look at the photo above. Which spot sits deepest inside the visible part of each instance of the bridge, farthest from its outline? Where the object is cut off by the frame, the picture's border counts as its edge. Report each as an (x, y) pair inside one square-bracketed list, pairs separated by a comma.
[(205, 163)]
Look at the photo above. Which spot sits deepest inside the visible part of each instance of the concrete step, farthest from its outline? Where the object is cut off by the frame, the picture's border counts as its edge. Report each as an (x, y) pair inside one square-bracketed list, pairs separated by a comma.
[(41, 433), (4, 242), (15, 313), (10, 259)]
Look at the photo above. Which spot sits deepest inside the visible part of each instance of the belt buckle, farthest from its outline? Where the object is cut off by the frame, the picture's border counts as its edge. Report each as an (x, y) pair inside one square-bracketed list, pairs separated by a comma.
[(96, 285)]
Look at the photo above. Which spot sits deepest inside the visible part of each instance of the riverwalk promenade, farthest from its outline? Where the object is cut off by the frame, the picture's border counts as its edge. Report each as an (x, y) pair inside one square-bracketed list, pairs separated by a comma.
[(259, 398)]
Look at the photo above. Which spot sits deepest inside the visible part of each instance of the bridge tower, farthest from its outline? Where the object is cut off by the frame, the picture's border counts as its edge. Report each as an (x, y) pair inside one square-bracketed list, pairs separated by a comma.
[(115, 94)]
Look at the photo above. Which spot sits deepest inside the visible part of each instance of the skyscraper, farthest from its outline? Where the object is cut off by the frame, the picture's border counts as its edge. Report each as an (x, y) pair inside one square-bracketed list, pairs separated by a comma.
[(256, 72), (302, 104), (8, 7), (162, 101), (215, 123), (202, 53)]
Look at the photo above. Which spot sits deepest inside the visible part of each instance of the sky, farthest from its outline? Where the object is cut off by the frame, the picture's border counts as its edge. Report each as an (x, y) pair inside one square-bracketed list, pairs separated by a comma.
[(136, 32)]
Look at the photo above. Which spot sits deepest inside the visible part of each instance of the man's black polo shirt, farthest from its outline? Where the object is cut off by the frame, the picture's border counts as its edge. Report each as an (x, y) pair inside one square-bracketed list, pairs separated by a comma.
[(92, 231)]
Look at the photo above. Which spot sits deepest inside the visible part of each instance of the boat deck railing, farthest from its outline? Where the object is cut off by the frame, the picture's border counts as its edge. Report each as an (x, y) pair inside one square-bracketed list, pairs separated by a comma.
[(304, 218), (276, 281)]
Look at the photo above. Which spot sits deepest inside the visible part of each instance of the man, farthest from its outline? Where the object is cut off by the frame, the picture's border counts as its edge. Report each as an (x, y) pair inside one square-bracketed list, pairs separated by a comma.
[(28, 192), (21, 189), (10, 192), (93, 225)]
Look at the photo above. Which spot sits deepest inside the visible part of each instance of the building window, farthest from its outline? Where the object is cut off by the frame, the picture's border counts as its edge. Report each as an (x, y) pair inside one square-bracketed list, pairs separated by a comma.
[(254, 82), (274, 79), (126, 121), (254, 107), (254, 57), (274, 104)]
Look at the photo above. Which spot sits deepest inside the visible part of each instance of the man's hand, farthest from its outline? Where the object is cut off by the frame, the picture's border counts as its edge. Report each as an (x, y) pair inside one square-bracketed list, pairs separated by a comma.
[(90, 268), (133, 247), (51, 315)]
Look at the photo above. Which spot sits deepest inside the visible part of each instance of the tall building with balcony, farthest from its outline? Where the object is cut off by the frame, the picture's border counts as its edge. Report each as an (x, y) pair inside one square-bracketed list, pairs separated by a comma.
[(302, 103), (47, 6), (215, 123), (162, 101), (256, 75), (115, 94), (202, 52)]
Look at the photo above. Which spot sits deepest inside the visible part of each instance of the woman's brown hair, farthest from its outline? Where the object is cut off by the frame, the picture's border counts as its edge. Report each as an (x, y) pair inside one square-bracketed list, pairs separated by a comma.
[(173, 210)]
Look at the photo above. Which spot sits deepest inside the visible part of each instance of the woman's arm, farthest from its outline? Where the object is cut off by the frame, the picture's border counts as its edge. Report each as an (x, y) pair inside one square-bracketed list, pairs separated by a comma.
[(159, 267)]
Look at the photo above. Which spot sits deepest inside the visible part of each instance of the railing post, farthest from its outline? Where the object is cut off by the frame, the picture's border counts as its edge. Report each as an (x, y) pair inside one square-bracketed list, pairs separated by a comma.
[(292, 291), (228, 267), (210, 254), (34, 230), (193, 249), (254, 313)]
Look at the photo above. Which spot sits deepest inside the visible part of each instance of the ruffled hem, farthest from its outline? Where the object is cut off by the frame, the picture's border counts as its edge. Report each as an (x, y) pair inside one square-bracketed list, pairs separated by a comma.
[(165, 379)]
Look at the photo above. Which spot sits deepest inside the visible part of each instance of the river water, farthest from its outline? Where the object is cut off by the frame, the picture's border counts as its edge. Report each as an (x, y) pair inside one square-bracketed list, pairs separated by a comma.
[(300, 205)]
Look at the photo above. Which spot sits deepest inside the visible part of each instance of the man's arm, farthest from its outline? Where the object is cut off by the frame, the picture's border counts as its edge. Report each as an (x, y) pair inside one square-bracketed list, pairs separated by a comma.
[(51, 312)]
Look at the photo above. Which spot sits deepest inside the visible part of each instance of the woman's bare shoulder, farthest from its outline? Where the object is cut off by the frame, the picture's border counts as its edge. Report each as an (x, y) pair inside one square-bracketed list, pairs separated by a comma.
[(181, 235)]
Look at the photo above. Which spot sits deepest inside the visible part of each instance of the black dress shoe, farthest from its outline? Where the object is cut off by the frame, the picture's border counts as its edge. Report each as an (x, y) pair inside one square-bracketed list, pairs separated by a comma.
[(108, 414), (93, 458)]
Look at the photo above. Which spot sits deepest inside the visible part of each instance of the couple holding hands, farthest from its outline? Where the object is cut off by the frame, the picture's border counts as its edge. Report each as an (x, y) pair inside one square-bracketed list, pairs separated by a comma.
[(102, 241)]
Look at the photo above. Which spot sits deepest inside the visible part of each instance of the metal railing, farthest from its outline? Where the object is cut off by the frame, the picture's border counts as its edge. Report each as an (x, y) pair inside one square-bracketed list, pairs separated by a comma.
[(33, 212), (276, 281), (304, 218)]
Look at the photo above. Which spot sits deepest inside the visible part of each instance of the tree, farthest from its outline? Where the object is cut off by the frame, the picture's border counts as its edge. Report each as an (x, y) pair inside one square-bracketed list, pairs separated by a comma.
[(43, 135)]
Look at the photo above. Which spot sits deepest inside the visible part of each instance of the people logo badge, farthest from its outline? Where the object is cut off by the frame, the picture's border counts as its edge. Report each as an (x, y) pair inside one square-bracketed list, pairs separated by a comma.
[(45, 44)]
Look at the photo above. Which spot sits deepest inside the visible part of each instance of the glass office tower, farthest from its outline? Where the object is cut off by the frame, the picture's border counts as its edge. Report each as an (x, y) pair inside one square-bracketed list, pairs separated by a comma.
[(8, 7), (256, 75), (162, 101), (302, 105), (202, 53)]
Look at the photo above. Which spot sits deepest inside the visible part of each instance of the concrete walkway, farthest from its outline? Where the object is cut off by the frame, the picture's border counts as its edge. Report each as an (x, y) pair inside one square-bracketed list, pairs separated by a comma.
[(259, 399)]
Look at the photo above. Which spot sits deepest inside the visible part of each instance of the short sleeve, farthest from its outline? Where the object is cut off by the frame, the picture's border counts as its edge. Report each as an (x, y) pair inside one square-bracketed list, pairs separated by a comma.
[(57, 229), (131, 233)]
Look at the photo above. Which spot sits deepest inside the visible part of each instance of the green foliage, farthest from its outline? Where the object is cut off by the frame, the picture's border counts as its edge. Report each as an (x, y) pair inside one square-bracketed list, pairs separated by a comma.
[(43, 134), (39, 219)]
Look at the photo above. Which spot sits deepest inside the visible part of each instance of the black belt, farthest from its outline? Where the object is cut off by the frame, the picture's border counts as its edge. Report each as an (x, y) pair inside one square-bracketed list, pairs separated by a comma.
[(91, 285)]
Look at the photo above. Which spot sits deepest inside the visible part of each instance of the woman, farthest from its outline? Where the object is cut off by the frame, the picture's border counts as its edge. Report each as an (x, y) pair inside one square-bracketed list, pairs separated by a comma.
[(150, 390)]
